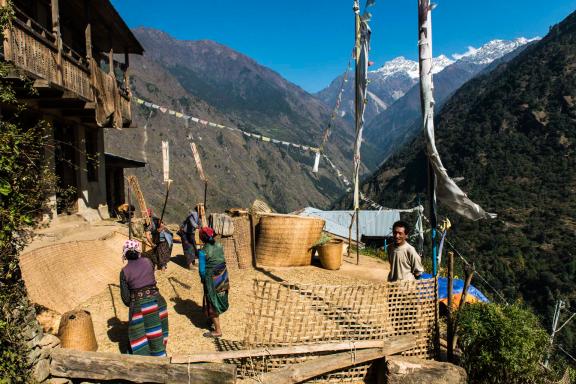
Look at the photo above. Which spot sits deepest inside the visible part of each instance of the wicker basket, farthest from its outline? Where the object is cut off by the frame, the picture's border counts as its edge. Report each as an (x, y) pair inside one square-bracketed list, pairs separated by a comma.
[(286, 240), (331, 254), (77, 331)]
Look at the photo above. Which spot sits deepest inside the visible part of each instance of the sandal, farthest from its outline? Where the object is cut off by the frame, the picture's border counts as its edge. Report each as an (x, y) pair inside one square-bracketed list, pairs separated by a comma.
[(211, 335)]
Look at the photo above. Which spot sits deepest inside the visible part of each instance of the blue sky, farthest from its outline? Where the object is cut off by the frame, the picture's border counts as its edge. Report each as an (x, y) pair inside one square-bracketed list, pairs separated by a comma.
[(308, 42)]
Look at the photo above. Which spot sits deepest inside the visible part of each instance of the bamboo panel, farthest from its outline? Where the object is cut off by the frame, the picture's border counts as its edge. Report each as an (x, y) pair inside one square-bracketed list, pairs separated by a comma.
[(283, 314), (243, 241), (31, 54), (286, 240), (229, 252), (76, 79)]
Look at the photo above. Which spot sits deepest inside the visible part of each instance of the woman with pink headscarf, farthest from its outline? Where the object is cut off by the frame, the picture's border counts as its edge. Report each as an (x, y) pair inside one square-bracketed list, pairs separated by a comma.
[(148, 314)]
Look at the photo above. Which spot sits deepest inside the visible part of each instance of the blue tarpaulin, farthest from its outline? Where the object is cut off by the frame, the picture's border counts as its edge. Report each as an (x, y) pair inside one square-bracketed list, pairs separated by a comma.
[(457, 288)]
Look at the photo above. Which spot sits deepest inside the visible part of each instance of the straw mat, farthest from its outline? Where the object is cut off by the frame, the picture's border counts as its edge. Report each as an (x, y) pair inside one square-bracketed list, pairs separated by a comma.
[(61, 276)]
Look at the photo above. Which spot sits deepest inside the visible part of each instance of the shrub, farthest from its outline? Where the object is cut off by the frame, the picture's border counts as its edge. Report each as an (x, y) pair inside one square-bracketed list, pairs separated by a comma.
[(501, 344)]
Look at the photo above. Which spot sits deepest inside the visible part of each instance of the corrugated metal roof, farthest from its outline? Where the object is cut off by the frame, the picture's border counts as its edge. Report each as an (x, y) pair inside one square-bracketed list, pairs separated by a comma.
[(372, 223)]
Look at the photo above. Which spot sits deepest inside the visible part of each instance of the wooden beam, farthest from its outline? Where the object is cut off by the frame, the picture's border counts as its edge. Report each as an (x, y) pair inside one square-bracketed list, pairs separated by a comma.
[(298, 373), (58, 36), (297, 349), (88, 30), (138, 369)]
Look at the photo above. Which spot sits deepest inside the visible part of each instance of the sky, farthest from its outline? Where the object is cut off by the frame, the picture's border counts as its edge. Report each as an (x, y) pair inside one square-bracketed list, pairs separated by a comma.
[(309, 42)]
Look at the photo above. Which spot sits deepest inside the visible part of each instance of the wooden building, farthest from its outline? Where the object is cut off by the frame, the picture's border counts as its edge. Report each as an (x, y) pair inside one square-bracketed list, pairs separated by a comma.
[(75, 54)]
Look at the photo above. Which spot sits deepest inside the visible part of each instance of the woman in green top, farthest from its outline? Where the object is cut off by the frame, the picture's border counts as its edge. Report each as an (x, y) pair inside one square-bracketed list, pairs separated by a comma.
[(214, 275)]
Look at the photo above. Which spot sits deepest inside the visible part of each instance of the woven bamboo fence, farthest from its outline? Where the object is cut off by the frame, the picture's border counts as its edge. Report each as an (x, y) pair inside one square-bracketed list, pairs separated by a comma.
[(283, 314)]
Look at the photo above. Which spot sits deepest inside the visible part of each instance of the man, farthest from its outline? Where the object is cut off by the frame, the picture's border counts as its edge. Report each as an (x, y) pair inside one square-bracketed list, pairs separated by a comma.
[(405, 262), (187, 235)]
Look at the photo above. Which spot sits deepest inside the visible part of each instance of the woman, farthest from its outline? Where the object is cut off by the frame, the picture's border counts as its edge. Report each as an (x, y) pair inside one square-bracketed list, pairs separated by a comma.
[(187, 236), (161, 239), (148, 315), (214, 275)]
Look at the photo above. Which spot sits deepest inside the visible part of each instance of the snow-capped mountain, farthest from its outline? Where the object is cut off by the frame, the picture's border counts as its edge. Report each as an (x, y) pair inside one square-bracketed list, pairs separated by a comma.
[(401, 65), (491, 51), (394, 78), (399, 122), (386, 85)]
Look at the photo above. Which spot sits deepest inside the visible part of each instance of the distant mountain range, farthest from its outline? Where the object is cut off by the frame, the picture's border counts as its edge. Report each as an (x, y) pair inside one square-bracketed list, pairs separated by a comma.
[(393, 79), (394, 98), (210, 81), (510, 137)]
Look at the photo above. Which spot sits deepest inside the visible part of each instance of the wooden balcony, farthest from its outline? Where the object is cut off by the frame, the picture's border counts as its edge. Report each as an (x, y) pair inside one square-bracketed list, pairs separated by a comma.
[(37, 52)]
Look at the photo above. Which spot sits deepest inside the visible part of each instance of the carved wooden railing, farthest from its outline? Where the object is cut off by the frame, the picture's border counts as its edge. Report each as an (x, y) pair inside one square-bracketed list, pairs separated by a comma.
[(34, 49)]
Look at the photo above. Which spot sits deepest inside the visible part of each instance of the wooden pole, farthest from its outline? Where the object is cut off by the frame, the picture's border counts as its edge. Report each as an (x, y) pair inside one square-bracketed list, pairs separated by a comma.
[(129, 214), (357, 236), (350, 234), (55, 8), (205, 193), (469, 275), (168, 183), (88, 30), (450, 349), (295, 349), (427, 107), (102, 366), (126, 74), (298, 373)]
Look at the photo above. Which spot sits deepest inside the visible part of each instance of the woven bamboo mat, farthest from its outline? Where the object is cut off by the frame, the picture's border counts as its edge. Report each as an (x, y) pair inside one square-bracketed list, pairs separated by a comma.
[(61, 276)]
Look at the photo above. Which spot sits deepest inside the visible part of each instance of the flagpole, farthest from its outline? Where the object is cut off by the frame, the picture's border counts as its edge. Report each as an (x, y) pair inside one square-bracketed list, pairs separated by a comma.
[(356, 9), (427, 105)]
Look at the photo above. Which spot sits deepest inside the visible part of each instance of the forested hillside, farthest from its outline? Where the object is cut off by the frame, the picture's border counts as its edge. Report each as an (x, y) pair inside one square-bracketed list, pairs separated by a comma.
[(511, 136)]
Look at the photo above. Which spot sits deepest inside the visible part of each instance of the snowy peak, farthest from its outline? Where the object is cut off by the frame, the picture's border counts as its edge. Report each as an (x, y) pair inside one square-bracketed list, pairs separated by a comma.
[(491, 51), (401, 65), (397, 65)]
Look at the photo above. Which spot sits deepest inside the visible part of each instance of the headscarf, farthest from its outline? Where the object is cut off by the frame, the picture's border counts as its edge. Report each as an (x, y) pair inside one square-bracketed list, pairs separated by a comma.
[(206, 234), (131, 245)]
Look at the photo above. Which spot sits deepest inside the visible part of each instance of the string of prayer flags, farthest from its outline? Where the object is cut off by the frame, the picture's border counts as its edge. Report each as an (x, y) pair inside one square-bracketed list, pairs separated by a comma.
[(262, 138)]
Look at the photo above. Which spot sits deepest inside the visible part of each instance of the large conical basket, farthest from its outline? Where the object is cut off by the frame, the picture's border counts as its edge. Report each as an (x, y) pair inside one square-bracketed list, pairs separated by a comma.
[(77, 331), (330, 254), (286, 240)]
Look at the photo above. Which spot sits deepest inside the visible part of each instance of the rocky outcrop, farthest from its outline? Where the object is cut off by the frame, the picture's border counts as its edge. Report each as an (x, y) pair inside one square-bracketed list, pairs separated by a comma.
[(412, 370)]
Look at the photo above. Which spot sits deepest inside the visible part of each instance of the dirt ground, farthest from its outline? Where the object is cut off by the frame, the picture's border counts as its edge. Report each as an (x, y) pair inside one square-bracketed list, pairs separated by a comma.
[(183, 292)]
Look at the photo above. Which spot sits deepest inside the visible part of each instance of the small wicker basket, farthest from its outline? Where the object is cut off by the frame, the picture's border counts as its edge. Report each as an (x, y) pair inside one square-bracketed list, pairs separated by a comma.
[(331, 254), (77, 331)]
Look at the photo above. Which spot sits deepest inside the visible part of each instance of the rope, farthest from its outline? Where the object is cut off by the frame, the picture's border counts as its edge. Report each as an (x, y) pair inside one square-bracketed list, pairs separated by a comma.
[(336, 106)]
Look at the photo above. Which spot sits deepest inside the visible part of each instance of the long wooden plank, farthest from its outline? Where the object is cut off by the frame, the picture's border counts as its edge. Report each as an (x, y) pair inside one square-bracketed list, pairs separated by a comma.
[(296, 349), (133, 181), (138, 369), (315, 367)]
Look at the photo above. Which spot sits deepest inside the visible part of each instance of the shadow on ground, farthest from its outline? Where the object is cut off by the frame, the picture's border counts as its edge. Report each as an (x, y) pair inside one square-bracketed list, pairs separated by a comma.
[(188, 307)]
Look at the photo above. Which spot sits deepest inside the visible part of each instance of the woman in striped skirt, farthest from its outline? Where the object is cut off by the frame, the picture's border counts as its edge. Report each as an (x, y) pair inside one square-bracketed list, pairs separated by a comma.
[(148, 316)]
